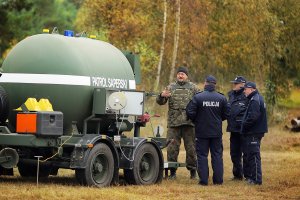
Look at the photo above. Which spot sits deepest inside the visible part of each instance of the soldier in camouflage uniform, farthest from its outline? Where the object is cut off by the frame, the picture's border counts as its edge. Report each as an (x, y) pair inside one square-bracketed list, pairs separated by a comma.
[(179, 95)]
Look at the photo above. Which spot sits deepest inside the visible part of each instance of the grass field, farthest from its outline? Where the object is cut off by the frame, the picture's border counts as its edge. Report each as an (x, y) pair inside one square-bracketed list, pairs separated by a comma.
[(281, 179)]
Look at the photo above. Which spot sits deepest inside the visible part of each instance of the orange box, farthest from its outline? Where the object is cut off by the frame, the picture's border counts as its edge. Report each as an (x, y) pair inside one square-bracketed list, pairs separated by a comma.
[(26, 123)]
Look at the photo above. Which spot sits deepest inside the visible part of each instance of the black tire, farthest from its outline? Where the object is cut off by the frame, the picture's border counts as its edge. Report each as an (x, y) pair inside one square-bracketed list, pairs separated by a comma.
[(145, 166), (30, 170), (4, 106), (99, 170)]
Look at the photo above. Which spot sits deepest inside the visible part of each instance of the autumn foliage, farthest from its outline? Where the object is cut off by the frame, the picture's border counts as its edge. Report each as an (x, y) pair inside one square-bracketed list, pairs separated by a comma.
[(257, 39)]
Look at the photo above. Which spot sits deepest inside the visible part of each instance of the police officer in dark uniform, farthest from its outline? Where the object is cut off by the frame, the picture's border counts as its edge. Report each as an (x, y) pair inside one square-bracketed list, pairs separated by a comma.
[(238, 103), (254, 126), (178, 95), (207, 110)]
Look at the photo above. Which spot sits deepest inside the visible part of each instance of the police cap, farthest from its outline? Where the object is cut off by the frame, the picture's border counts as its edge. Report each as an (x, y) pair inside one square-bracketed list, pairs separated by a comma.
[(239, 79), (250, 85), (211, 79)]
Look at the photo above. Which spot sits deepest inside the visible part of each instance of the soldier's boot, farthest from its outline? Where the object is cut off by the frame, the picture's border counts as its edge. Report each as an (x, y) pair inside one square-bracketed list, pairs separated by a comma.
[(193, 173), (173, 174)]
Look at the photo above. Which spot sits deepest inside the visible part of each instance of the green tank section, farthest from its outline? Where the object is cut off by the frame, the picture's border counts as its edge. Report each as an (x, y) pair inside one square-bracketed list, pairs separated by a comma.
[(64, 70)]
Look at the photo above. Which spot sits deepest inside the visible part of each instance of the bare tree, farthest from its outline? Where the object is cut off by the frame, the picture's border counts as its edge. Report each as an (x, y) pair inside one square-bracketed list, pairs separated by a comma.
[(176, 40), (162, 47)]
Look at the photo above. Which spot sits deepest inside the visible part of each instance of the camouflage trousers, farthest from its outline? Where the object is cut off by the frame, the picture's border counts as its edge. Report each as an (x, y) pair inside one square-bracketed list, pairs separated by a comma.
[(187, 133)]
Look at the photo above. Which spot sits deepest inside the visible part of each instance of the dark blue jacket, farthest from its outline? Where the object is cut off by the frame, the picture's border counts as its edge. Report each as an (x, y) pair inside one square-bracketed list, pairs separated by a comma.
[(207, 110), (238, 104), (255, 118)]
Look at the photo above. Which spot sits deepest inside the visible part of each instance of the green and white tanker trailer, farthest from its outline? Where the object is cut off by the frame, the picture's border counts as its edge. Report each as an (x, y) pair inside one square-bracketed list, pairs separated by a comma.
[(91, 86)]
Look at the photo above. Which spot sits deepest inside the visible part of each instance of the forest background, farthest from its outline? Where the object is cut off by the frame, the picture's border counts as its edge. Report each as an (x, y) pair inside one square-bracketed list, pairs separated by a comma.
[(258, 39)]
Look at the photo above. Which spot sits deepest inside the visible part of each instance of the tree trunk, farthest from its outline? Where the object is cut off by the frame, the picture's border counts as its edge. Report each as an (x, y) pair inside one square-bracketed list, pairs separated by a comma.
[(162, 47), (176, 41)]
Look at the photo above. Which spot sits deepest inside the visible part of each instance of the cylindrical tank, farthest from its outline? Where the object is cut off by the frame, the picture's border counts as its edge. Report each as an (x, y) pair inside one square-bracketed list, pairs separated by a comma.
[(65, 70)]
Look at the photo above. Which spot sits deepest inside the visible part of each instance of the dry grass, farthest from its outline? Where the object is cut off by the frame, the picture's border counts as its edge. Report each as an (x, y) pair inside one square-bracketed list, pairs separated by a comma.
[(281, 179)]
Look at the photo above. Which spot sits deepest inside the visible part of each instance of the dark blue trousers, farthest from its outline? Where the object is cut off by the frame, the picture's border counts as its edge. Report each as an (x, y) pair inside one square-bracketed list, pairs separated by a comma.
[(237, 152), (215, 146), (253, 167)]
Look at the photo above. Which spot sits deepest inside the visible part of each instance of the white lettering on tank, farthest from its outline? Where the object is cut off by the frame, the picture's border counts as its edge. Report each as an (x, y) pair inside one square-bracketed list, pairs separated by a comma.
[(211, 104), (109, 82), (99, 81)]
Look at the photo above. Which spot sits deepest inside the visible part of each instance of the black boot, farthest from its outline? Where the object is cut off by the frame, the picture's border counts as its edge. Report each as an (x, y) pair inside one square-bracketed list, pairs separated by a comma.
[(173, 174), (193, 173)]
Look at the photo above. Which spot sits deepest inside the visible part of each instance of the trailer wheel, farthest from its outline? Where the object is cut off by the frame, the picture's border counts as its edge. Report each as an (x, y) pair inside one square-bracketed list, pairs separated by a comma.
[(145, 166), (30, 170), (99, 170), (4, 109)]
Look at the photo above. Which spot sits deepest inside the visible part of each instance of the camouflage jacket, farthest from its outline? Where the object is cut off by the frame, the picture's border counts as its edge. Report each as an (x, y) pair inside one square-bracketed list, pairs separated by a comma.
[(181, 94)]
